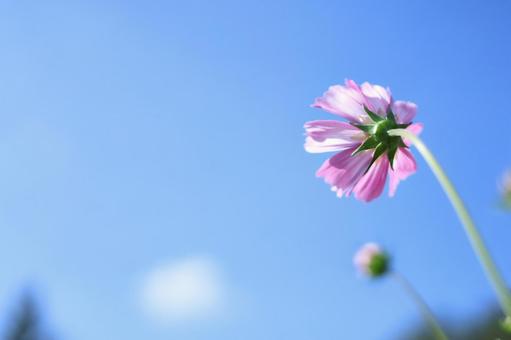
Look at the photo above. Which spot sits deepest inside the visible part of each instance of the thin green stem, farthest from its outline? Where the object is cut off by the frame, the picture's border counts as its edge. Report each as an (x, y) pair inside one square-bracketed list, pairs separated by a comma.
[(426, 312), (475, 238)]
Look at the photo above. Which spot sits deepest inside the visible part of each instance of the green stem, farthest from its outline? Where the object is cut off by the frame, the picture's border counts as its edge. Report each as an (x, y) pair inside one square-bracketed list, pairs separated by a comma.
[(475, 238), (423, 307)]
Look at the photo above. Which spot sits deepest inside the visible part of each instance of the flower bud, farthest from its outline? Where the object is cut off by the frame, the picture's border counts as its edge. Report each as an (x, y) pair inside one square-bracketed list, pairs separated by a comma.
[(371, 260), (505, 189)]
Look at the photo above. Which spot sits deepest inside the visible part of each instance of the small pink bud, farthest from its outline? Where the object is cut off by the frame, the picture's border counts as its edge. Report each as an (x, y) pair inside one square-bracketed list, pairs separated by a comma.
[(371, 260), (505, 188)]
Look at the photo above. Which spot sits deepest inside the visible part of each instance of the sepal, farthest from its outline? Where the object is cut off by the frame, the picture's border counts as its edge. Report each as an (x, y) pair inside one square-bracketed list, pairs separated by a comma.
[(370, 143), (374, 117), (378, 151)]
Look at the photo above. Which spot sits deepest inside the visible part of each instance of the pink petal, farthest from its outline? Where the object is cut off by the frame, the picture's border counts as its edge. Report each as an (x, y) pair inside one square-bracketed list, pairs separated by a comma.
[(331, 135), (377, 98), (404, 111), (372, 183), (345, 101), (404, 166), (343, 170), (352, 84), (416, 129)]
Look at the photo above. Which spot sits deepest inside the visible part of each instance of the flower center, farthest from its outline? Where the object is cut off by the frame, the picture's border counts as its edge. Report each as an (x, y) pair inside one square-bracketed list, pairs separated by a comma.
[(378, 138), (381, 128)]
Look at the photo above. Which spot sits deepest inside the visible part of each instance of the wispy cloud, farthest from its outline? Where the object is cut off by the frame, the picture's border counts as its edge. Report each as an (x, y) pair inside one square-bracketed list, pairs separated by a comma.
[(189, 289)]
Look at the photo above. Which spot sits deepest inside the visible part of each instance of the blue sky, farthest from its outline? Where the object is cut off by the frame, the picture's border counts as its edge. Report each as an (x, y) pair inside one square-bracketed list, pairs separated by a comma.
[(139, 134)]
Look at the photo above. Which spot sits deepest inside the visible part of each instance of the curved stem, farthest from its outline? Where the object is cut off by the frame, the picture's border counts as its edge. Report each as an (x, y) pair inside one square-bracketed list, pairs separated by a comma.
[(421, 304), (473, 234)]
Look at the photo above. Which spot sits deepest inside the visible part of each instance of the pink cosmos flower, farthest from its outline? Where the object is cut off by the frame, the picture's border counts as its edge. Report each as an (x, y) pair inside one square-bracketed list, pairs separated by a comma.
[(366, 153)]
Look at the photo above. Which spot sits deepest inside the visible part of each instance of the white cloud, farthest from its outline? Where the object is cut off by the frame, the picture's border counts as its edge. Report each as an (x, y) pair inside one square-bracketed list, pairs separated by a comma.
[(186, 290)]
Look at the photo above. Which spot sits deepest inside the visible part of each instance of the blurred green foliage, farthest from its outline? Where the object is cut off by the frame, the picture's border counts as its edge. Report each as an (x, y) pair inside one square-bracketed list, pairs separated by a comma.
[(25, 324), (486, 326)]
